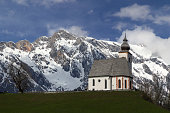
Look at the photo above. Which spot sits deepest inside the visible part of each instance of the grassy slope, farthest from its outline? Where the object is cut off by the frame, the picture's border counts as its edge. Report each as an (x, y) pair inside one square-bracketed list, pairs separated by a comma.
[(79, 102)]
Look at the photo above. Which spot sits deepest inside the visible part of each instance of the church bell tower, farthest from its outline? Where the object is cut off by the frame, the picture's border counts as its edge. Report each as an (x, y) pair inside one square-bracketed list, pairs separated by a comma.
[(124, 52)]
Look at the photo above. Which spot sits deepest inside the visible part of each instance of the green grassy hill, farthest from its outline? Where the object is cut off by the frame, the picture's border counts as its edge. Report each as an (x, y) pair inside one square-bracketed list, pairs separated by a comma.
[(78, 102)]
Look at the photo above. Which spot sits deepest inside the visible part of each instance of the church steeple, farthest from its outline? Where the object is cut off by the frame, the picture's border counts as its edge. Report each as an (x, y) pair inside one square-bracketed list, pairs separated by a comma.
[(125, 46), (124, 52), (125, 39)]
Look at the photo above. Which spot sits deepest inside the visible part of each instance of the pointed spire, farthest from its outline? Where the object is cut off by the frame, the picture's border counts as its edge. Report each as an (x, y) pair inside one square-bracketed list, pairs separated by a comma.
[(125, 39), (125, 46)]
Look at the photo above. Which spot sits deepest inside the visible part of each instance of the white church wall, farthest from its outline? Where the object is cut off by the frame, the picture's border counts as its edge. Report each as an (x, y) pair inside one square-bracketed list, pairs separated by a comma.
[(99, 83), (113, 83)]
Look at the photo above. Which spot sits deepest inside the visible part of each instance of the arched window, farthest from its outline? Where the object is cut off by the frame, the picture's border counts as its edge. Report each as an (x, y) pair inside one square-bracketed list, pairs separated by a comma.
[(125, 83), (105, 84), (93, 82), (130, 85), (119, 83)]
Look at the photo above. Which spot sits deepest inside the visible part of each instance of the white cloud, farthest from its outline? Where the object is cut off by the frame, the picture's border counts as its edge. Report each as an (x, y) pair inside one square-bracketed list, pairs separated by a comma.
[(7, 32), (41, 2), (106, 39), (142, 12), (76, 30), (90, 12), (50, 2), (120, 26), (166, 7), (21, 2), (146, 36), (52, 28), (135, 12), (21, 34), (11, 13), (162, 19), (2, 1)]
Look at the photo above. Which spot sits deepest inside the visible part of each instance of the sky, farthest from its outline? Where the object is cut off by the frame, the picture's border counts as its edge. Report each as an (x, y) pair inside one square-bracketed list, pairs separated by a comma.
[(144, 21)]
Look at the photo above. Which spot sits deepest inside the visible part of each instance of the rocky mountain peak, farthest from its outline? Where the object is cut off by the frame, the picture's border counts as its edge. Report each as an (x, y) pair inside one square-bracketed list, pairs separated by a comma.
[(62, 31), (43, 39), (11, 45), (24, 45), (63, 34)]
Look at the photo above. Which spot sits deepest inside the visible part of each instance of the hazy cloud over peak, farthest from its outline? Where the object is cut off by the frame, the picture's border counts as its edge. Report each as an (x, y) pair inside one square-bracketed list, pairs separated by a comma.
[(146, 36), (76, 30)]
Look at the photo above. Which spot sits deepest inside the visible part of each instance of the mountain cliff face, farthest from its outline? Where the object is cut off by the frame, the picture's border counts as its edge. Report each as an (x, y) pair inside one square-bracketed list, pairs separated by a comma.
[(62, 62)]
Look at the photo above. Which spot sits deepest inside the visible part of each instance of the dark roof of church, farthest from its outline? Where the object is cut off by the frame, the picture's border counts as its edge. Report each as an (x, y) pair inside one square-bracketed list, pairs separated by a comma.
[(110, 67)]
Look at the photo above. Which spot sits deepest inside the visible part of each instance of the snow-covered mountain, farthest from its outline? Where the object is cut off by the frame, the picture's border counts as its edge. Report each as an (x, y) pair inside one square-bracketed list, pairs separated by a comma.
[(62, 62)]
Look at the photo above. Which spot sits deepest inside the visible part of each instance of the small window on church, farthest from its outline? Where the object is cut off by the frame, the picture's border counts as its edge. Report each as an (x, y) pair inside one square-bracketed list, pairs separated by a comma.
[(129, 59), (93, 82), (105, 84), (130, 85), (119, 83), (125, 83), (99, 80)]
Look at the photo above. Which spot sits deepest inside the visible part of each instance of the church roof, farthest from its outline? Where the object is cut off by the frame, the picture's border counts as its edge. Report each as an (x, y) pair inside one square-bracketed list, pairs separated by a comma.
[(110, 67)]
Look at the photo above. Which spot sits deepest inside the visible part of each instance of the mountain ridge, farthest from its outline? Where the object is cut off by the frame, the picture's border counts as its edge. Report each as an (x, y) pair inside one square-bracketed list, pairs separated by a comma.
[(62, 62)]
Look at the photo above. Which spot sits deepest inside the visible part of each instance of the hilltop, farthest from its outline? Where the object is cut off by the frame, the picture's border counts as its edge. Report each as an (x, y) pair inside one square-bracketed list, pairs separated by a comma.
[(78, 102)]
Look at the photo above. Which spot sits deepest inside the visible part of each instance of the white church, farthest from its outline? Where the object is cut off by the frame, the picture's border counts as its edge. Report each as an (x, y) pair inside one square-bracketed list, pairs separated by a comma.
[(114, 73)]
